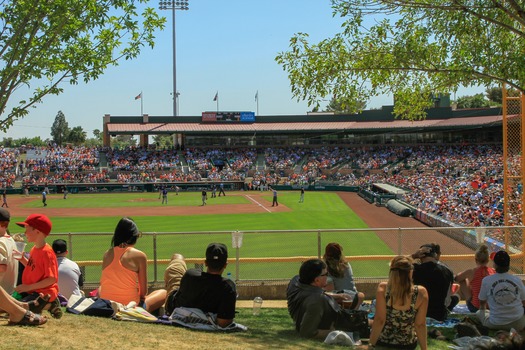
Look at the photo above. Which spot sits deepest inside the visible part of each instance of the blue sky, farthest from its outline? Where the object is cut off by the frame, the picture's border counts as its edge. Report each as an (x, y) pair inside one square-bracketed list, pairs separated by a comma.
[(224, 46)]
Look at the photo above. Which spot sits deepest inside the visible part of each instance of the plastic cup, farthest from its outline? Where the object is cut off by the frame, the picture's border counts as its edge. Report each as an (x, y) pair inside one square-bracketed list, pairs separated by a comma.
[(20, 246), (347, 304), (257, 303)]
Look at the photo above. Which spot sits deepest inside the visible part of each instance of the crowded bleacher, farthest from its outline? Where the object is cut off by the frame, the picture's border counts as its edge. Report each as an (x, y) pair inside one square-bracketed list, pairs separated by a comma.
[(462, 184)]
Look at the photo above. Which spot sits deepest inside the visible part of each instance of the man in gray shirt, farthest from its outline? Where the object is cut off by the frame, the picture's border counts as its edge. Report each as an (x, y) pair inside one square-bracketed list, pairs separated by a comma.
[(69, 276)]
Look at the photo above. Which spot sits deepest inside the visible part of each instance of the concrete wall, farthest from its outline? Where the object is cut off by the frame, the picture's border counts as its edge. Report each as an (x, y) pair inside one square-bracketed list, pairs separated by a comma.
[(276, 290)]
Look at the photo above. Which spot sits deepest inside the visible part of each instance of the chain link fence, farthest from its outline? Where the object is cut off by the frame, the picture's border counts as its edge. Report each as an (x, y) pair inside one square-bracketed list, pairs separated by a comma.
[(513, 156), (266, 256)]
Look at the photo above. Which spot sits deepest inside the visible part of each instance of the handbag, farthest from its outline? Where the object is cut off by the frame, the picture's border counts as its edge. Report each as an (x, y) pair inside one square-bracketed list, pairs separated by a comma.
[(81, 305), (353, 321)]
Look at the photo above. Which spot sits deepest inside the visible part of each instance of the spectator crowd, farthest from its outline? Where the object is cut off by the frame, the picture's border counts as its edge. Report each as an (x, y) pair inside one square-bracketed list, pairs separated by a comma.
[(462, 183)]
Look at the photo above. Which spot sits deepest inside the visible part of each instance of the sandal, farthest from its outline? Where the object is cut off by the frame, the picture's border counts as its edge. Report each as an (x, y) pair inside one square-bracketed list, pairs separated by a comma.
[(30, 319), (55, 309), (36, 306)]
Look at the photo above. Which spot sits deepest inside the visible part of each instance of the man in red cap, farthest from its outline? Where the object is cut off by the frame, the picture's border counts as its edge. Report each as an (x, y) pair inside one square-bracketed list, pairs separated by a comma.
[(40, 274)]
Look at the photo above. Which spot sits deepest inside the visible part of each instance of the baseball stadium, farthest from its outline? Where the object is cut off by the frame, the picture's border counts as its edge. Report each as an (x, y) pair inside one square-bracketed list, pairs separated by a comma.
[(399, 227), (365, 165), (380, 187)]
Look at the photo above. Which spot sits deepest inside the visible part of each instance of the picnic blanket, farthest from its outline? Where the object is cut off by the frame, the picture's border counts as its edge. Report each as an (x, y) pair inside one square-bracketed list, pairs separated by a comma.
[(448, 323), (461, 309)]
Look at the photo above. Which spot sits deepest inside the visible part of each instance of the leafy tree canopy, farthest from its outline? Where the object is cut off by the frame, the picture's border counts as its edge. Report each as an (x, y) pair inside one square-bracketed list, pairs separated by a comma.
[(163, 141), (339, 105), (495, 94), (123, 141), (77, 135), (24, 141), (44, 43), (97, 134), (60, 129), (410, 49), (475, 101)]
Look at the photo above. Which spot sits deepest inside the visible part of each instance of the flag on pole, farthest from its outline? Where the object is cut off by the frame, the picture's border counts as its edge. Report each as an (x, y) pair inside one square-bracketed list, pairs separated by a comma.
[(216, 96), (138, 96), (256, 95)]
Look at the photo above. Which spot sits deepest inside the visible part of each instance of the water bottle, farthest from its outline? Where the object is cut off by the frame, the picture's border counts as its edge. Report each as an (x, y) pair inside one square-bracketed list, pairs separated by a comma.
[(257, 303), (229, 276)]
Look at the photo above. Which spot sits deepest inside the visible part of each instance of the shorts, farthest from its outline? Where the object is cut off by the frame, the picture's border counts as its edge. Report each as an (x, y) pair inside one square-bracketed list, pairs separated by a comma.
[(380, 345), (26, 297)]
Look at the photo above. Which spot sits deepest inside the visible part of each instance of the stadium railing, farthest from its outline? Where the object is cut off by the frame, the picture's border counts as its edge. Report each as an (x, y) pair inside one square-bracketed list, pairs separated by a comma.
[(271, 258)]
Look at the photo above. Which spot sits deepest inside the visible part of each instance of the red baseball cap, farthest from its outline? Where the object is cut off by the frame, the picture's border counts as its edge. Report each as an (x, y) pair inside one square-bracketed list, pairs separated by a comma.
[(39, 222)]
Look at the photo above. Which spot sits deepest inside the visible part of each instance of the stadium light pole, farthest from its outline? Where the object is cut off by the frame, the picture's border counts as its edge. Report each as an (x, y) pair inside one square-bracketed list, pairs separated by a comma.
[(174, 5)]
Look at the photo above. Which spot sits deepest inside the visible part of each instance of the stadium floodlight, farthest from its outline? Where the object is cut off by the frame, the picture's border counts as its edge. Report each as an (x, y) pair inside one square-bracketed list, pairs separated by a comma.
[(174, 5)]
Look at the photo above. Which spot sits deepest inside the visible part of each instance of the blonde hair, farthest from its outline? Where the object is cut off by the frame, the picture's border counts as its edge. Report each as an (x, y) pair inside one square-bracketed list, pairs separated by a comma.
[(399, 280), (336, 266), (482, 254)]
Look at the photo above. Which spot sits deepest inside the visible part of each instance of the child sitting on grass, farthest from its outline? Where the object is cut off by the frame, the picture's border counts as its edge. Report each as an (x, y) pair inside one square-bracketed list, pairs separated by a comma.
[(40, 275)]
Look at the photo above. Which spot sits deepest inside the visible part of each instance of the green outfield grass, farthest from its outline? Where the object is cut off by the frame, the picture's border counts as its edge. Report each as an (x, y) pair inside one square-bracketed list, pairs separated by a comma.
[(321, 210)]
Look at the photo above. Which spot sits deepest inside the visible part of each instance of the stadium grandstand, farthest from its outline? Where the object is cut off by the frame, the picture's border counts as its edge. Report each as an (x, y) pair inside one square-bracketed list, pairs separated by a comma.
[(449, 164)]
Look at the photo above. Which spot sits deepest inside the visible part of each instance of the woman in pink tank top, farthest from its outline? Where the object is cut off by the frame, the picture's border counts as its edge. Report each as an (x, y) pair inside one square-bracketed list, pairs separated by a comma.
[(470, 280), (124, 270)]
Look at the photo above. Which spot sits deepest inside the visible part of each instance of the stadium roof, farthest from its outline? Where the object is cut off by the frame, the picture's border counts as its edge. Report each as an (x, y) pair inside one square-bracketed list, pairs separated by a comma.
[(305, 126)]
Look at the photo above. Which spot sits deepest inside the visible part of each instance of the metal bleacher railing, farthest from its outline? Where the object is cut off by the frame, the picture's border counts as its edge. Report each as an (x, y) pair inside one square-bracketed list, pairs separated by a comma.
[(269, 256)]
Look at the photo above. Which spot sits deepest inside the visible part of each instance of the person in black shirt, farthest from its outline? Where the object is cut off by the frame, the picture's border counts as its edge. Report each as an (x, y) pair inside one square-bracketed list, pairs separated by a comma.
[(208, 291), (204, 197), (436, 278)]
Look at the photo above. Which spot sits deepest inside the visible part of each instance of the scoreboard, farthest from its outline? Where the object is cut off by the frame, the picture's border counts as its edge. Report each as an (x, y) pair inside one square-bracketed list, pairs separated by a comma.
[(228, 117)]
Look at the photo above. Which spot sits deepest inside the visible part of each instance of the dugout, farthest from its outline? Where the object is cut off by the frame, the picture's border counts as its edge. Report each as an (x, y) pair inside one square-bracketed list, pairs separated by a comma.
[(380, 193)]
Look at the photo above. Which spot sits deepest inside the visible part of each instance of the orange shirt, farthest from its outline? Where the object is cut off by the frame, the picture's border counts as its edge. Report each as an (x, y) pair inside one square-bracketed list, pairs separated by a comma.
[(42, 264), (117, 283)]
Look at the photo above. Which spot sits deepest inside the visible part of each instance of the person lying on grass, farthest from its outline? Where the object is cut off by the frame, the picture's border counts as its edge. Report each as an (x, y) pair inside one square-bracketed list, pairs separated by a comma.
[(314, 312)]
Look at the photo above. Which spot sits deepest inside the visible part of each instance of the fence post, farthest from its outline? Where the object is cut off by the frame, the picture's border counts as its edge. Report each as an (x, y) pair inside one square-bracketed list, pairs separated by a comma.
[(70, 245), (155, 257), (399, 242), (237, 243), (237, 261), (319, 244)]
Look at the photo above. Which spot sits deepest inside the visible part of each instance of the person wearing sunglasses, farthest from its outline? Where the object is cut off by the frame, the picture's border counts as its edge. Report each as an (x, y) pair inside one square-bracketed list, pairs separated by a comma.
[(125, 270), (314, 312)]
